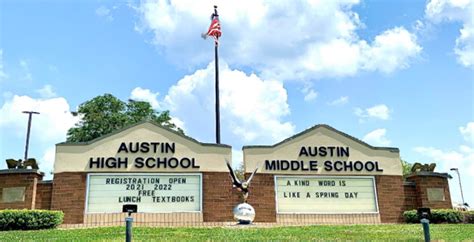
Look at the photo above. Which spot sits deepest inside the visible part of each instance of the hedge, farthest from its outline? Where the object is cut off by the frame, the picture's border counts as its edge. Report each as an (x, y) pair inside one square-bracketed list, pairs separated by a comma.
[(437, 216), (13, 219), (469, 217)]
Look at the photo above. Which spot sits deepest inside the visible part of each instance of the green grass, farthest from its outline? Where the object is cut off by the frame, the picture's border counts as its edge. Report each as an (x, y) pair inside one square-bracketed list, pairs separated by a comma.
[(412, 232)]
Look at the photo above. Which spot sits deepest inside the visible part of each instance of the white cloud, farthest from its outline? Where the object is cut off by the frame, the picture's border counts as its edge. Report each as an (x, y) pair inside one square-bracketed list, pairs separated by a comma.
[(46, 164), (104, 12), (377, 138), (3, 75), (380, 111), (390, 50), (47, 128), (283, 39), (461, 158), (252, 109), (26, 70), (179, 123), (453, 157), (46, 91), (237, 158), (141, 94), (456, 11), (468, 132), (309, 93), (340, 101), (54, 118)]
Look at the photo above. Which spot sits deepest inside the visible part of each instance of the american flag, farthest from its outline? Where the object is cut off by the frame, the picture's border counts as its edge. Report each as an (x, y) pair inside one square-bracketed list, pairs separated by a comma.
[(214, 30)]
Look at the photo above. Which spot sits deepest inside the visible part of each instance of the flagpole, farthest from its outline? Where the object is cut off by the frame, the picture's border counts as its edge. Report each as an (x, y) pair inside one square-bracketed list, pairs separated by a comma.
[(216, 56), (218, 122)]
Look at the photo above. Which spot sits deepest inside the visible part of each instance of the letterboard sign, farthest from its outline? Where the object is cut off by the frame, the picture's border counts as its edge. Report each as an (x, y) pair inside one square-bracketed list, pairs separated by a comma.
[(153, 193), (325, 194)]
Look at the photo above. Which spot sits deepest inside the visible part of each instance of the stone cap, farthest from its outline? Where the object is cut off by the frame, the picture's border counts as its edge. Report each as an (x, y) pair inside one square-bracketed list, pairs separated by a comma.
[(429, 173), (21, 171)]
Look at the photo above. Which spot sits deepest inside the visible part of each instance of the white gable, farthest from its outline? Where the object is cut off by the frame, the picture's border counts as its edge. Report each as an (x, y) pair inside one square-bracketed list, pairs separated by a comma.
[(323, 150), (139, 144)]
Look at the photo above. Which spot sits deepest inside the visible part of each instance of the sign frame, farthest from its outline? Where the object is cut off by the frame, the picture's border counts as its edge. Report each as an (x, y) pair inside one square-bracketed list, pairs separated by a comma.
[(315, 176), (86, 207)]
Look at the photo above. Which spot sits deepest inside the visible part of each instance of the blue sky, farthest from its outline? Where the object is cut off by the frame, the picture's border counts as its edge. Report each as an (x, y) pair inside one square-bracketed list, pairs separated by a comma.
[(393, 73)]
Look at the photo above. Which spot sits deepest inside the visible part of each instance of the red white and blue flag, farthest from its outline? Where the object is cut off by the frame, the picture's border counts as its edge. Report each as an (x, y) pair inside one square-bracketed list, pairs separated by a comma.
[(214, 30)]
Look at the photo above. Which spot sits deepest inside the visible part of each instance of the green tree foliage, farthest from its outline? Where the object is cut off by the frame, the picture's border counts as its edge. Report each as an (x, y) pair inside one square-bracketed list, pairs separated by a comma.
[(105, 114), (240, 172), (406, 167)]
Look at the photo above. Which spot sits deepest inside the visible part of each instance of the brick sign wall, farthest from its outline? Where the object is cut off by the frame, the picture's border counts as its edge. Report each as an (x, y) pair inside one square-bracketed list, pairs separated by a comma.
[(342, 179)]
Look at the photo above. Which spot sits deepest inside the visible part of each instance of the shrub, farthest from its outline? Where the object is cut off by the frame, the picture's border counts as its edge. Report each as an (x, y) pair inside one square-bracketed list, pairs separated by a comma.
[(468, 217), (437, 216), (411, 216), (446, 216), (29, 219)]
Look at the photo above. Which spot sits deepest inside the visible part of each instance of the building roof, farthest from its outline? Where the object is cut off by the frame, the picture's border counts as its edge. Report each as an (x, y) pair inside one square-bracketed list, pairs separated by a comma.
[(318, 126), (137, 124)]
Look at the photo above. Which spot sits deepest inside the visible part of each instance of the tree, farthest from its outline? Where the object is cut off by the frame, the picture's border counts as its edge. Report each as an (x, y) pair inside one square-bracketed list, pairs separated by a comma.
[(406, 167), (105, 114), (240, 172)]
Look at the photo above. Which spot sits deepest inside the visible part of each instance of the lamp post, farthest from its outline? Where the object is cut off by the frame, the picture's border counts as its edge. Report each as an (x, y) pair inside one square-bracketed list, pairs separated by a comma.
[(459, 179), (30, 114)]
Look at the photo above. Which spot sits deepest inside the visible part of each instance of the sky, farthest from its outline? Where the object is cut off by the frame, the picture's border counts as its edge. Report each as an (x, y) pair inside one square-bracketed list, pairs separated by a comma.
[(391, 73)]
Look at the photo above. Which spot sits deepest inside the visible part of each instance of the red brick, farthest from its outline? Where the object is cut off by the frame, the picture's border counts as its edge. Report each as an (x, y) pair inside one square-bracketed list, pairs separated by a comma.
[(28, 179)]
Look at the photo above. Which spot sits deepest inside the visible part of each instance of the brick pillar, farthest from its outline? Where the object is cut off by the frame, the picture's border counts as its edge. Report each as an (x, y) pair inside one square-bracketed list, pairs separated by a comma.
[(410, 202), (432, 189), (391, 198), (219, 198), (17, 182), (69, 195), (44, 191), (262, 197)]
